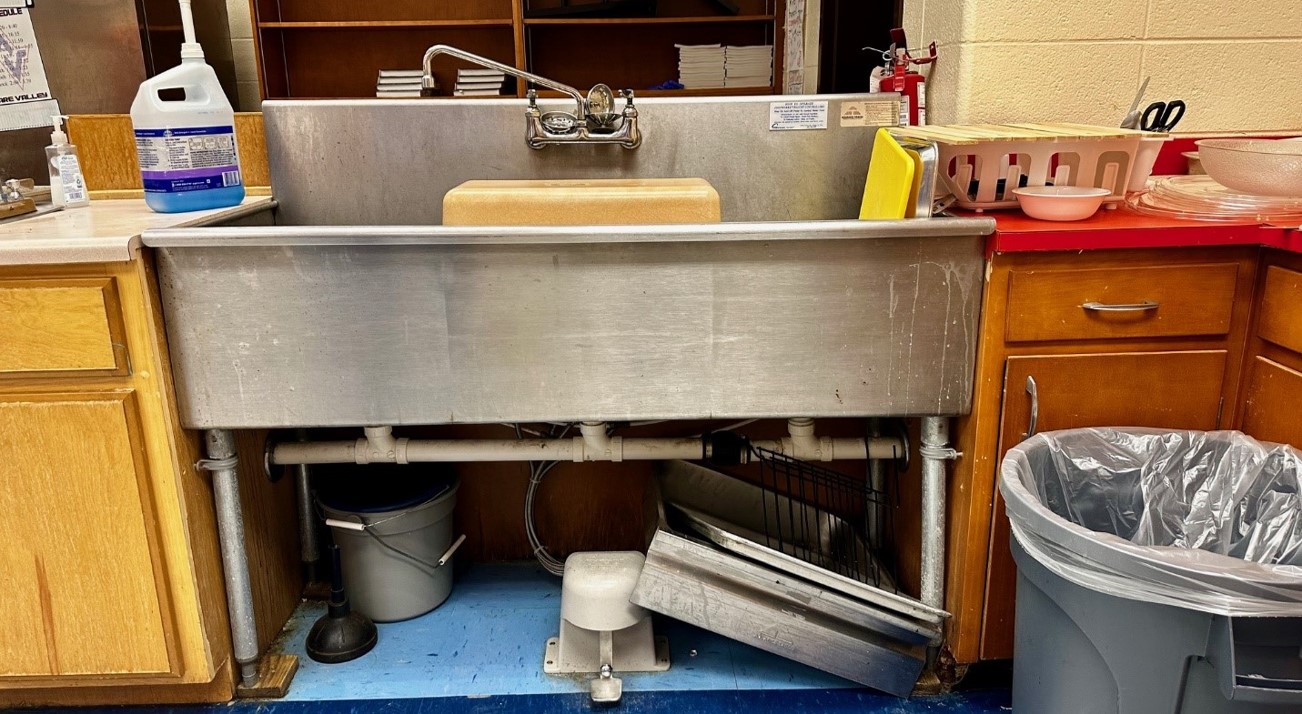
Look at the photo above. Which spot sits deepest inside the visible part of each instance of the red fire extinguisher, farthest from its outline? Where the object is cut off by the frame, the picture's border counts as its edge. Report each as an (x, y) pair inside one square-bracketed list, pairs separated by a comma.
[(899, 77)]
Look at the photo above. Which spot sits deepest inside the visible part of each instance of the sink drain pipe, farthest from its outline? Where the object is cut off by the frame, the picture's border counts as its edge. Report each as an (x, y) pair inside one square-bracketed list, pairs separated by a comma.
[(379, 446)]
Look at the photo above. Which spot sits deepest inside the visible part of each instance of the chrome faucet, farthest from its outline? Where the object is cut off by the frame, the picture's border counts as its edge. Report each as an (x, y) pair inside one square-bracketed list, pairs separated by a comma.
[(594, 120)]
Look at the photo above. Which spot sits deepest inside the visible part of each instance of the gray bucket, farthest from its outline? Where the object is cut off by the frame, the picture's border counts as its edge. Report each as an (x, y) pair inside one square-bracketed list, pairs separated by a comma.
[(391, 558)]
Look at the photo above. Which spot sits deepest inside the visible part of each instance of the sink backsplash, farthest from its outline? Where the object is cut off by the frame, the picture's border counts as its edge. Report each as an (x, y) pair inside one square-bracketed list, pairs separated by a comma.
[(389, 162)]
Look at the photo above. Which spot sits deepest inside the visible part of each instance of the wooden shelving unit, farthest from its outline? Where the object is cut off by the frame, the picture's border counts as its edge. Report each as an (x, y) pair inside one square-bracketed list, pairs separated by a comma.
[(334, 48), (646, 20)]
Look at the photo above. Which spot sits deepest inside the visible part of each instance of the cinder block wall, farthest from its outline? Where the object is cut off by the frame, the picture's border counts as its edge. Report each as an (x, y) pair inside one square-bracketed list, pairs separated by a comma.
[(246, 64), (1237, 64)]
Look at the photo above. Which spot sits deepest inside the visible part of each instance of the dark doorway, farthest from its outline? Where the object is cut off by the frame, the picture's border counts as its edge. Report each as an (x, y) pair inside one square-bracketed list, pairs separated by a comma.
[(847, 26)]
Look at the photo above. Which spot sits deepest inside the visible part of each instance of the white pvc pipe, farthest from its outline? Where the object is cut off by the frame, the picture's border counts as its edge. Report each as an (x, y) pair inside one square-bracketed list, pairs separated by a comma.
[(592, 445)]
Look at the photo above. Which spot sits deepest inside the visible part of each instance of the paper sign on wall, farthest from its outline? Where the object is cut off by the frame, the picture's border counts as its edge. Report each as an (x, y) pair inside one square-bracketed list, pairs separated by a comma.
[(794, 116), (25, 100)]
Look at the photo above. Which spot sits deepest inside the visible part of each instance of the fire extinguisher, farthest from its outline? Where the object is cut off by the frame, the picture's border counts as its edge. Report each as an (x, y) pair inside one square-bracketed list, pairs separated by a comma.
[(899, 77)]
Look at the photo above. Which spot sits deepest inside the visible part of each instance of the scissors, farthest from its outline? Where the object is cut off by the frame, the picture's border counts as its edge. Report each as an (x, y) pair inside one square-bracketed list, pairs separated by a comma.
[(1162, 116)]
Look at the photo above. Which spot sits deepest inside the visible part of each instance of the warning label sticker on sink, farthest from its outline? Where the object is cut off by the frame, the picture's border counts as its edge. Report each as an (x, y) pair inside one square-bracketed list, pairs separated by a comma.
[(879, 113), (795, 116)]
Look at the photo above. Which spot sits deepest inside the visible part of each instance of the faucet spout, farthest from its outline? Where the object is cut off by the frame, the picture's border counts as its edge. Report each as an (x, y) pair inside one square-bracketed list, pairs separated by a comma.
[(594, 121), (436, 50)]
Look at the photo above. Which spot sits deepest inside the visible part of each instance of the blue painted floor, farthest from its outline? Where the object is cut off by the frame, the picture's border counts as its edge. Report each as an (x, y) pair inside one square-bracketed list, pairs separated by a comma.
[(482, 651)]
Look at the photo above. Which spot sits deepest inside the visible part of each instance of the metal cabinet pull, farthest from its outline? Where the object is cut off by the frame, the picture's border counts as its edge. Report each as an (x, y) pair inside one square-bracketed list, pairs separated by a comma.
[(1035, 408), (1144, 306)]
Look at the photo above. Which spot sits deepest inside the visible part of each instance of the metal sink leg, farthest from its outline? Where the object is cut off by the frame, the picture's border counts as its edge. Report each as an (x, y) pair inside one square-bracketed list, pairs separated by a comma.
[(935, 452), (223, 465)]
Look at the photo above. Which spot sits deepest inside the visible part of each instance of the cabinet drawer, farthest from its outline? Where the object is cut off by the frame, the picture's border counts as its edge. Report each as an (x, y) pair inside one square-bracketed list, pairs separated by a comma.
[(1281, 308), (1100, 304), (60, 326)]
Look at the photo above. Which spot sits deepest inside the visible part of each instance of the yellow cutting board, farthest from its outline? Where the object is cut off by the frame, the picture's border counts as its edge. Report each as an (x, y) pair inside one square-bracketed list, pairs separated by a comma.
[(890, 180), (581, 202)]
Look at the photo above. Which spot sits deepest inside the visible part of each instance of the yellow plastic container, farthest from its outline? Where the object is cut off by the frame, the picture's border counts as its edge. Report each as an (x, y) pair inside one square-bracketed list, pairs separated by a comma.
[(891, 172)]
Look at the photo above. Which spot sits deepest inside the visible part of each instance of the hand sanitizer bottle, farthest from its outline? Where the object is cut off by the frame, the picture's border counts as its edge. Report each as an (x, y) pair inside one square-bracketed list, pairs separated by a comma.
[(188, 156), (67, 185)]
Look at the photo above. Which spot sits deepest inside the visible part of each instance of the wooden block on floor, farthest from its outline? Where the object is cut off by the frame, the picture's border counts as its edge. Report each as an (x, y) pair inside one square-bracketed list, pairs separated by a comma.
[(275, 672), (929, 684)]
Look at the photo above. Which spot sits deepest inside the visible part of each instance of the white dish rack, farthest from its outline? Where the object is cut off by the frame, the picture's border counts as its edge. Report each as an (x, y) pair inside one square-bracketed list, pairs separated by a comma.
[(981, 164)]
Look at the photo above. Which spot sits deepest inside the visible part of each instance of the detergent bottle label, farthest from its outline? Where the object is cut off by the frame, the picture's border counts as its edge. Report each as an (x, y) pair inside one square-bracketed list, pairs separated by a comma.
[(187, 158)]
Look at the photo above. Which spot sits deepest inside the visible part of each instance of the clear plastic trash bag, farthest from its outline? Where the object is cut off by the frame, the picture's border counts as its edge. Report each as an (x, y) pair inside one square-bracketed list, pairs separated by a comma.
[(1210, 521)]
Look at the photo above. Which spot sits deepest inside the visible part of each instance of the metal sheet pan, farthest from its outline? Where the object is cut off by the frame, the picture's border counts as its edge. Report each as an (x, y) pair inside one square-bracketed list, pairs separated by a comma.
[(728, 595), (729, 513)]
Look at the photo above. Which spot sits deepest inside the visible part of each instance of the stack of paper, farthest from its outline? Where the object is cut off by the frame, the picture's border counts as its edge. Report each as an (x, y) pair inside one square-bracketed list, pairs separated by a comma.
[(398, 83), (478, 82), (748, 66), (701, 66)]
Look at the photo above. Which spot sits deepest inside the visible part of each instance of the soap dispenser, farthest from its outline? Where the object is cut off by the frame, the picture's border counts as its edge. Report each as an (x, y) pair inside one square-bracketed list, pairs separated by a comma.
[(67, 185)]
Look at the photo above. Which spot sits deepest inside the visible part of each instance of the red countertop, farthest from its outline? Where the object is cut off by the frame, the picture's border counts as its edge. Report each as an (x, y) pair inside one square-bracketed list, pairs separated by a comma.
[(1125, 228)]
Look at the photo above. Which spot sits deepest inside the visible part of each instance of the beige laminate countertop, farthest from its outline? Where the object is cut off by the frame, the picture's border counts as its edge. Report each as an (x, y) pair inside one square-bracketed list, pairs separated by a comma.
[(105, 231)]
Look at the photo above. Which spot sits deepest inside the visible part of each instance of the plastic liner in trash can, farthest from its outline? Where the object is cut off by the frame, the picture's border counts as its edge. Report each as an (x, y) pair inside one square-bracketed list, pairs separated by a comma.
[(1157, 571), (1204, 520)]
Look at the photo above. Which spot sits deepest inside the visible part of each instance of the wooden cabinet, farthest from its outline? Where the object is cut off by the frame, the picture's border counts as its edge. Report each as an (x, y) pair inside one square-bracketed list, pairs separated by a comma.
[(68, 326), (80, 532), (1110, 338), (113, 590), (1272, 392), (299, 42), (1154, 389)]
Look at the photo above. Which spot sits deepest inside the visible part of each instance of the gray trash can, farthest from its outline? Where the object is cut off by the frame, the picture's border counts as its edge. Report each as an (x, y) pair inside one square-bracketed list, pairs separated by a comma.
[(1158, 572)]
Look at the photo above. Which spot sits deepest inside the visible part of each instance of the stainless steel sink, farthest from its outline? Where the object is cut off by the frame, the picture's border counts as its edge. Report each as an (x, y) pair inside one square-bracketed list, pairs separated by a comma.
[(349, 305)]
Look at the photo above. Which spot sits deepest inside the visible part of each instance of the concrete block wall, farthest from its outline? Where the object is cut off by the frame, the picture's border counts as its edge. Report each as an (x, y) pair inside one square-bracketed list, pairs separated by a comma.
[(246, 65), (1237, 64)]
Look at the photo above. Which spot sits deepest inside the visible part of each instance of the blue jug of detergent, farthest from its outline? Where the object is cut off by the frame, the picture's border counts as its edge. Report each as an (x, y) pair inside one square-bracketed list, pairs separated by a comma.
[(188, 156)]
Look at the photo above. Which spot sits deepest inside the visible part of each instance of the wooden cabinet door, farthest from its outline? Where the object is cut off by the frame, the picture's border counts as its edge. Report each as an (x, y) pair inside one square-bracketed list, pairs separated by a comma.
[(1178, 390), (1272, 403), (84, 593)]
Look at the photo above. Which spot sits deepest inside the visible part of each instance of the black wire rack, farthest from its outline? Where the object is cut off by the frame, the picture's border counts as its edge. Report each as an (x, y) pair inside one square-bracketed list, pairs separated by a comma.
[(823, 517)]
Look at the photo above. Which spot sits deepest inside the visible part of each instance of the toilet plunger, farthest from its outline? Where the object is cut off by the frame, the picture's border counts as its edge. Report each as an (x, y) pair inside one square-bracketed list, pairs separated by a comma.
[(340, 635)]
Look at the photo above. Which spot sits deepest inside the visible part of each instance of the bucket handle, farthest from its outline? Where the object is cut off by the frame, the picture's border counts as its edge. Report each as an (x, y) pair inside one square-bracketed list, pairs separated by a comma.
[(365, 528)]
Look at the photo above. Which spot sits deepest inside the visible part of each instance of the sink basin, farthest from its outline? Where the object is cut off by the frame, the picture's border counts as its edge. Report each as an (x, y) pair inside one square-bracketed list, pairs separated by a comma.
[(348, 307)]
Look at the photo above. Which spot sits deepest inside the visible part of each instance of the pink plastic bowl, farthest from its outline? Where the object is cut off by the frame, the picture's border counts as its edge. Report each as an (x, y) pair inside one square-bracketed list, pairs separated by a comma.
[(1060, 203)]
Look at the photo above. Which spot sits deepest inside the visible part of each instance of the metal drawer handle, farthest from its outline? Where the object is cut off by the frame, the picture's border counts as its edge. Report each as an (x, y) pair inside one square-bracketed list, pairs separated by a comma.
[(1035, 408), (1144, 306)]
